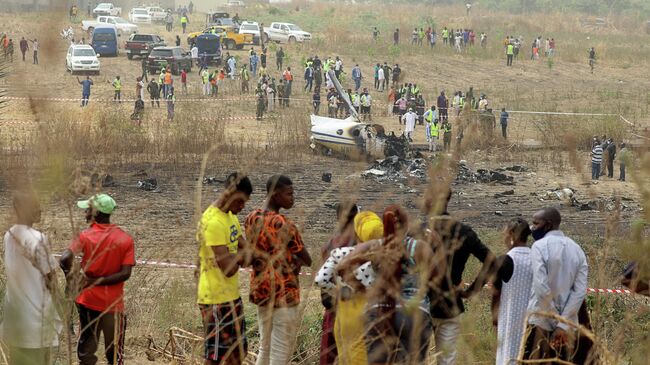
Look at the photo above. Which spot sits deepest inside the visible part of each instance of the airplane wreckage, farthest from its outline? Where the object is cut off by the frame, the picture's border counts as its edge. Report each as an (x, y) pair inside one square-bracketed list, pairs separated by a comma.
[(350, 137)]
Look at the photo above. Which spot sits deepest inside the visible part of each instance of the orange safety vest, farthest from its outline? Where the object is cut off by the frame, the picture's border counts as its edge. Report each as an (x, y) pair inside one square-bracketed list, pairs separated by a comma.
[(168, 78), (288, 76)]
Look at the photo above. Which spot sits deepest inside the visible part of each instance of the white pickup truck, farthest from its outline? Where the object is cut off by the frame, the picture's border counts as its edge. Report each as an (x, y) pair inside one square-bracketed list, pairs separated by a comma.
[(123, 26), (285, 33), (107, 9)]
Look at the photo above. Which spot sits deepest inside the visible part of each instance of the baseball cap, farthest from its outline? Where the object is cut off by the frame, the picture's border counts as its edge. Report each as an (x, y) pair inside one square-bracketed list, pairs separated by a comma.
[(101, 202)]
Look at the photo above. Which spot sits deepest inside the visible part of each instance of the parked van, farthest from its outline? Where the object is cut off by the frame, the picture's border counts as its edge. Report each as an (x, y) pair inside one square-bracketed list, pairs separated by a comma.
[(104, 40), (209, 47)]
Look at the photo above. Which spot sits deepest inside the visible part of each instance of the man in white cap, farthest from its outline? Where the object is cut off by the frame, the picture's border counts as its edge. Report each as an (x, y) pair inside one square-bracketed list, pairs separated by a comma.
[(409, 121), (108, 256)]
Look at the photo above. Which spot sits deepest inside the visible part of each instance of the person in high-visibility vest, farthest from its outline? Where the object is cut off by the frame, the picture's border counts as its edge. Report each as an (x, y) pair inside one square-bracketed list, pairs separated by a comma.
[(431, 129), (510, 52), (366, 105), (117, 85), (461, 103), (415, 90), (356, 101), (446, 136), (184, 21)]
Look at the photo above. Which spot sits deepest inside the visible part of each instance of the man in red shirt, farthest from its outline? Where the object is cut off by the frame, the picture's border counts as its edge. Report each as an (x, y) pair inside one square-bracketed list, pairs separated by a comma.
[(107, 259), (184, 81)]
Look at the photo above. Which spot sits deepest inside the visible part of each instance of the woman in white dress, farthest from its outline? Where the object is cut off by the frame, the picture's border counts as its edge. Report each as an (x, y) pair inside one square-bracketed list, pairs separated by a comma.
[(512, 287)]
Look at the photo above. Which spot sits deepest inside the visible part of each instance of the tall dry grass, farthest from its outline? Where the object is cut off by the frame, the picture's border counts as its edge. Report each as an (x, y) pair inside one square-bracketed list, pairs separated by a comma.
[(64, 146)]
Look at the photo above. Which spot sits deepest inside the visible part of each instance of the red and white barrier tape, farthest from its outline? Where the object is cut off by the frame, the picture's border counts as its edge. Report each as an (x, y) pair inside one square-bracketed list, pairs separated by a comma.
[(305, 273)]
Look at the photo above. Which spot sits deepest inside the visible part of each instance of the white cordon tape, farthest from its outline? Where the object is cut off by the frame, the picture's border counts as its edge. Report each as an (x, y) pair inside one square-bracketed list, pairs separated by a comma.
[(191, 266), (248, 98)]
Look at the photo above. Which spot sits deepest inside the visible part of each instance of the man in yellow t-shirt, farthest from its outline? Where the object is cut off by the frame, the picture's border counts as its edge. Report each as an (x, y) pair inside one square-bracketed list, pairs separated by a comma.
[(222, 252)]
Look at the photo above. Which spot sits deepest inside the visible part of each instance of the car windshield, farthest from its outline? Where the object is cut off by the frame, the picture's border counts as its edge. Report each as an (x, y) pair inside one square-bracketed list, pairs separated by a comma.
[(161, 53), (120, 21), (103, 37), (140, 12), (101, 6), (248, 27), (156, 10), (84, 52), (294, 27), (226, 21), (141, 38)]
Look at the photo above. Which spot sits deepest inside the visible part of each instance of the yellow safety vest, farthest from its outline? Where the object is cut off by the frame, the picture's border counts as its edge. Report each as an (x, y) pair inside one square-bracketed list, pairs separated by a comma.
[(117, 84), (433, 128), (183, 20), (430, 116)]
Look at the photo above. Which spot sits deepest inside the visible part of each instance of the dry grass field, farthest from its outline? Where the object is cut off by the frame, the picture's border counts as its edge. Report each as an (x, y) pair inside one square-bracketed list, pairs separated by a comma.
[(58, 146)]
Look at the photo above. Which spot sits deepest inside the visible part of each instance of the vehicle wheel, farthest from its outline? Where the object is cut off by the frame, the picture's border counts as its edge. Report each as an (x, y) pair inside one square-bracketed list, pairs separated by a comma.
[(174, 70), (230, 44), (129, 56), (292, 40)]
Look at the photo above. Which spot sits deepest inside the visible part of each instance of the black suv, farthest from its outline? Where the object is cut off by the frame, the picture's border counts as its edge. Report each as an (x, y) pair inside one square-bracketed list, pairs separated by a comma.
[(175, 57)]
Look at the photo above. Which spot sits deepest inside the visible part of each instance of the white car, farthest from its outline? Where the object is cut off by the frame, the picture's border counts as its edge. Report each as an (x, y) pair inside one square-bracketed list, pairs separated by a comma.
[(235, 4), (122, 26), (157, 13), (139, 15), (253, 28), (285, 33), (107, 9), (81, 57)]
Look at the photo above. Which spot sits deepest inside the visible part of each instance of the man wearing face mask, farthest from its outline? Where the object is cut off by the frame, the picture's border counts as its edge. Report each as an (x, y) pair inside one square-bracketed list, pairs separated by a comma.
[(559, 287)]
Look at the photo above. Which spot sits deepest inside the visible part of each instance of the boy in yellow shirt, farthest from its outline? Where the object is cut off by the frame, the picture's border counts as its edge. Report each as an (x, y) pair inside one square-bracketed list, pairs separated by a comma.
[(222, 252)]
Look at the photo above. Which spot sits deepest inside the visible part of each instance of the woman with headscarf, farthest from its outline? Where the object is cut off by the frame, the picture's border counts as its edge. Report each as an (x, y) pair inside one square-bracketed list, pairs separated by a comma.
[(343, 237), (397, 276), (349, 321)]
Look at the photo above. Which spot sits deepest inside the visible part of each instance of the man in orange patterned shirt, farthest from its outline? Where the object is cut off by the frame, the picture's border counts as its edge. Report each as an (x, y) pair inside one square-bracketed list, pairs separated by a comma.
[(278, 255)]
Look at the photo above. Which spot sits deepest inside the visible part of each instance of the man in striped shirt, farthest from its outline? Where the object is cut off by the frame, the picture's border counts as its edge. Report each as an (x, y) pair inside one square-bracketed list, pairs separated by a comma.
[(596, 160)]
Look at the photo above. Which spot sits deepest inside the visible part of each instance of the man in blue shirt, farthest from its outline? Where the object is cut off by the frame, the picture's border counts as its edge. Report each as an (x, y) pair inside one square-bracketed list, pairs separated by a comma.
[(356, 76), (85, 90), (504, 122)]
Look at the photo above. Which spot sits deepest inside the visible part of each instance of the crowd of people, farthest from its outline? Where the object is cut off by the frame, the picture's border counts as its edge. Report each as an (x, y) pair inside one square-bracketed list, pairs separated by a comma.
[(459, 39), (512, 46), (603, 155), (390, 283)]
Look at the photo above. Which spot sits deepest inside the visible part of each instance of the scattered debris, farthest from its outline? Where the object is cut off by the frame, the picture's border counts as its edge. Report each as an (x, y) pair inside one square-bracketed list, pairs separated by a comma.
[(373, 172), (559, 194), (149, 185), (516, 168), (465, 174), (396, 168), (418, 168), (211, 180), (601, 205), (327, 177), (396, 146), (498, 212)]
